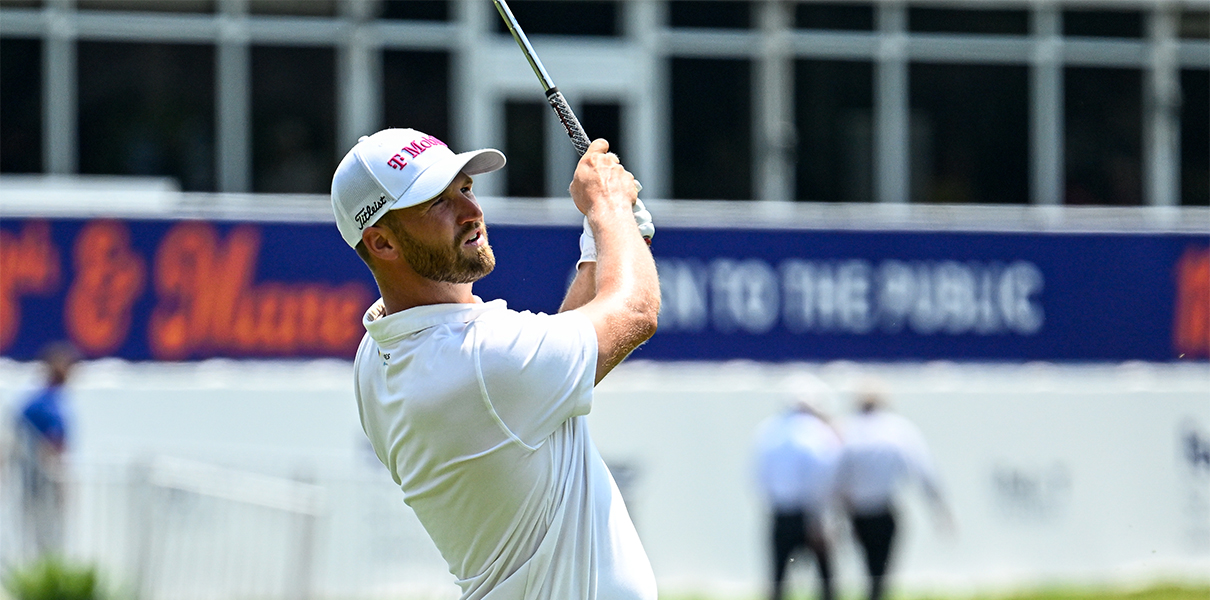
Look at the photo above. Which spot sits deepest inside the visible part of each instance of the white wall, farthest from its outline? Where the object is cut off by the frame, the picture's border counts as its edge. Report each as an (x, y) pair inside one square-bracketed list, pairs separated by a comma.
[(1056, 474), (1102, 492)]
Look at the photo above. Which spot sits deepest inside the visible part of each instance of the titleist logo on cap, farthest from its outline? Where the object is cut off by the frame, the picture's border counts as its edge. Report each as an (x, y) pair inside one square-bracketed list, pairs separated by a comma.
[(414, 149), (368, 211)]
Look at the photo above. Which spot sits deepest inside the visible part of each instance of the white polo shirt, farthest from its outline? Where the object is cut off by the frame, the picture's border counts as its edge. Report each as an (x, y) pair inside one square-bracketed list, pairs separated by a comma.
[(478, 413), (796, 455), (882, 451)]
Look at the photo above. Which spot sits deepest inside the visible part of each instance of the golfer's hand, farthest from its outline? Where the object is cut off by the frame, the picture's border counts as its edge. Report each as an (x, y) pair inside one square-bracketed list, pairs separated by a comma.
[(601, 183)]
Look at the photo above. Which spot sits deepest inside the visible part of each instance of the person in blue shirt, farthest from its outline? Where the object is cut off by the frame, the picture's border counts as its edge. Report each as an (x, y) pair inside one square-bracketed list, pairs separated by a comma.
[(42, 441)]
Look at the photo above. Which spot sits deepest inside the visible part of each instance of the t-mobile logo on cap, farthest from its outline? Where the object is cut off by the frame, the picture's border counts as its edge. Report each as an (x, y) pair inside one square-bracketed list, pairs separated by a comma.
[(414, 149), (422, 144)]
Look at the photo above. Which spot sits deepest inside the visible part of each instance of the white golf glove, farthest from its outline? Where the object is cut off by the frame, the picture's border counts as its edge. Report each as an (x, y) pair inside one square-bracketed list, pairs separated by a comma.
[(642, 218), (588, 246)]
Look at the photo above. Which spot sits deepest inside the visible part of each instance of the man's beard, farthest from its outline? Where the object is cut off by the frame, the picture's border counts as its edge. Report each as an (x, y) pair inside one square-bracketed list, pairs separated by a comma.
[(446, 263)]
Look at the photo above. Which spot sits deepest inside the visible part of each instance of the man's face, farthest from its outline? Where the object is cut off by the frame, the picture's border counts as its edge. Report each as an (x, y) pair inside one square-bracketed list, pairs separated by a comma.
[(445, 238), (58, 366)]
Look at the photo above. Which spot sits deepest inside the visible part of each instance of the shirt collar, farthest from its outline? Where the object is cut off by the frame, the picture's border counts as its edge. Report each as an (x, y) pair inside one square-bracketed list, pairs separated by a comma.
[(386, 328)]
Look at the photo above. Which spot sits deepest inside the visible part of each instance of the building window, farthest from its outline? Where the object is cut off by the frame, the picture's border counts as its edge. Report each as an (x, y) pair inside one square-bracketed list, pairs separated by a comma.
[(833, 104), (823, 15), (561, 17), (176, 6), (147, 109), (1103, 110), (416, 91), (949, 20), (1103, 23), (970, 133), (416, 10), (308, 8), (711, 129), (714, 14), (1195, 137), (20, 105), (604, 120), (525, 146), (293, 119), (1194, 25)]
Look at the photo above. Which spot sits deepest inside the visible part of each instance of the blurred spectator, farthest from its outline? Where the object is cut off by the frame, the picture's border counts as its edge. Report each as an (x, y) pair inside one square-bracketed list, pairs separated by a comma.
[(41, 441), (882, 450), (797, 453)]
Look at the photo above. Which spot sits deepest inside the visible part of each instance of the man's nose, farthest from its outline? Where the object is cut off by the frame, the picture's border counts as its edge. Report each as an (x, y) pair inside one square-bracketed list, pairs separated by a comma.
[(469, 209)]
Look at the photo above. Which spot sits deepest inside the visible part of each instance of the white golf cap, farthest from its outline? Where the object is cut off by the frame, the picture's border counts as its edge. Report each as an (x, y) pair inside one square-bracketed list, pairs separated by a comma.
[(397, 168)]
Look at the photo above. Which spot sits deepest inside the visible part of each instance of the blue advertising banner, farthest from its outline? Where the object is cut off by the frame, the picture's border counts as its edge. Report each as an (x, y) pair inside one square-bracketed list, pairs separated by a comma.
[(189, 290)]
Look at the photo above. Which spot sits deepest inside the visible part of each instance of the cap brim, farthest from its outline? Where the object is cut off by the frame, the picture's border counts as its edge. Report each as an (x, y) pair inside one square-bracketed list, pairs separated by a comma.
[(438, 176)]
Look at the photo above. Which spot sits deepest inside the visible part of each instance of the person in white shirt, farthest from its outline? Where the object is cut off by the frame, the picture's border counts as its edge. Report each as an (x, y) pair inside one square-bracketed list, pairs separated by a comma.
[(478, 411), (797, 453), (882, 451)]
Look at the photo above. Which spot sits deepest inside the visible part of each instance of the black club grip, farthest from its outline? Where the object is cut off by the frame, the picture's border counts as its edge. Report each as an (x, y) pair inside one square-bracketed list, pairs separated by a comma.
[(575, 131)]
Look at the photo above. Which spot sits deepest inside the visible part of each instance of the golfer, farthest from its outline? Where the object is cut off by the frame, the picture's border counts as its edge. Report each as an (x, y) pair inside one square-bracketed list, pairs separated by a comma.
[(477, 410)]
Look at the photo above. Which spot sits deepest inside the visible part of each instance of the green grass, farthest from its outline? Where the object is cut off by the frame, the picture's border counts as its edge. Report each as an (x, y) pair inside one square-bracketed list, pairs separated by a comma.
[(1153, 593), (53, 578)]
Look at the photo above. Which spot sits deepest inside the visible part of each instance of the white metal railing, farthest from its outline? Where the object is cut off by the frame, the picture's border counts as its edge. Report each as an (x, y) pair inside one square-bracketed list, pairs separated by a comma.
[(170, 528)]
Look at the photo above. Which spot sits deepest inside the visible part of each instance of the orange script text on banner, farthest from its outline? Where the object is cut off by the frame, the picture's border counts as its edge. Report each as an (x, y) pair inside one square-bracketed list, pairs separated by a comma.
[(109, 278), (207, 304), (29, 265), (1191, 330)]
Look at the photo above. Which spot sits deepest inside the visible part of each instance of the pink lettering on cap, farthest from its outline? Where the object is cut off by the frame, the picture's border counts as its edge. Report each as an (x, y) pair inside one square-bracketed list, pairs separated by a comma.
[(422, 144)]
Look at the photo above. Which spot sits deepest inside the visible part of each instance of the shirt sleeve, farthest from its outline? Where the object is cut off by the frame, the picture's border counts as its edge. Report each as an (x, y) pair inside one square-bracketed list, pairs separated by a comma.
[(43, 415), (537, 370), (367, 351), (919, 460)]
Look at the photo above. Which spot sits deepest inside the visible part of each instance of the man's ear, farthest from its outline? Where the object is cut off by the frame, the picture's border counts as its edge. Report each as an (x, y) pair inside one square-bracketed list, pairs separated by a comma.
[(380, 242)]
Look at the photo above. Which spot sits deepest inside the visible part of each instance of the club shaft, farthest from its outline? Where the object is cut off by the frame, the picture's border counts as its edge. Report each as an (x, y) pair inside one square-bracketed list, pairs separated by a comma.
[(526, 48), (557, 102)]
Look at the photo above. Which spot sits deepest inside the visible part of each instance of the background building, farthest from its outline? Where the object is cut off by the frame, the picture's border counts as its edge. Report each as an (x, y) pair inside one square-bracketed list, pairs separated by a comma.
[(991, 102)]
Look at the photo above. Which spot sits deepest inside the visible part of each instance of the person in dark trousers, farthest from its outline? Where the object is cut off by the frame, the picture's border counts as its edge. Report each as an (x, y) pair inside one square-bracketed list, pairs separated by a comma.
[(797, 452), (882, 450)]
